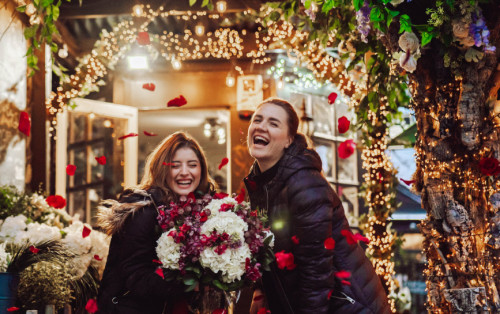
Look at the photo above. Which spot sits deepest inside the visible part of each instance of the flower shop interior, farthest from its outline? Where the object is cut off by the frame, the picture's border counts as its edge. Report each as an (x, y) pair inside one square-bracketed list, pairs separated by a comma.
[(113, 78)]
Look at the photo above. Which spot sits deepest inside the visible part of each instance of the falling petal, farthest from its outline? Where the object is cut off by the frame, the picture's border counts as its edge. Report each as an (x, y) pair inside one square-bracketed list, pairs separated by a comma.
[(159, 272), (332, 97), (407, 182), (96, 257), (149, 86), (343, 124), (24, 123), (56, 201), (149, 133), (296, 240), (70, 170), (223, 162), (143, 38), (128, 135), (34, 250), (101, 160), (177, 102), (343, 274), (86, 231), (329, 244), (346, 149), (91, 306)]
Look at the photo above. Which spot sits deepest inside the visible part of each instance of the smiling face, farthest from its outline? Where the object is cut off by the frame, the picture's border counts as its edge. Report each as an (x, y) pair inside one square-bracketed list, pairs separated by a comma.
[(185, 172), (268, 135)]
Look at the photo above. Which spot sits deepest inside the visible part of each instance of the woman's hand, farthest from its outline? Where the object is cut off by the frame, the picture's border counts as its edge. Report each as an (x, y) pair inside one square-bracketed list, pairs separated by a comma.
[(258, 301)]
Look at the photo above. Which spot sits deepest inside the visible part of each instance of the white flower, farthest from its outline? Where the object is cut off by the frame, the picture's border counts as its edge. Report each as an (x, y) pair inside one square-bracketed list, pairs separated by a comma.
[(409, 63), (409, 42), (215, 204), (396, 2), (227, 222), (231, 263), (100, 247), (14, 229), (168, 251), (74, 239), (268, 233), (41, 232), (4, 258)]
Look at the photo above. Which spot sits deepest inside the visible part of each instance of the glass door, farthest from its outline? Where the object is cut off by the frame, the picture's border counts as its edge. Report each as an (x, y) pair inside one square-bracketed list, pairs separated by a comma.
[(88, 137)]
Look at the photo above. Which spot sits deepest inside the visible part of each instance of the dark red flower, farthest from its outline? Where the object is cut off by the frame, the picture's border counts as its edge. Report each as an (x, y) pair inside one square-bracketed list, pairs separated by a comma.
[(86, 231), (149, 133), (285, 260), (489, 166), (143, 38), (70, 170), (149, 86), (353, 238), (219, 311), (345, 282), (343, 274), (56, 201), (34, 250), (221, 249), (203, 217), (241, 196), (91, 306), (407, 182), (332, 97), (219, 196), (159, 272), (343, 124), (157, 262), (223, 162), (296, 240), (131, 134), (24, 123), (101, 160), (346, 149), (13, 309), (330, 294), (329, 244), (254, 213), (177, 102), (263, 310), (97, 257), (226, 207)]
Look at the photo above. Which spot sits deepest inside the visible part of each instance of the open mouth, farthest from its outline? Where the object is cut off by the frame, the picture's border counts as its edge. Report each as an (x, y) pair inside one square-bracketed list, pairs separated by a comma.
[(259, 140), (184, 183)]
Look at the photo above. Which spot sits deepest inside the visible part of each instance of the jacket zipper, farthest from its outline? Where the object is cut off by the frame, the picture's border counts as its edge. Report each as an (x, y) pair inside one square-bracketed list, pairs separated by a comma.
[(267, 200), (348, 298)]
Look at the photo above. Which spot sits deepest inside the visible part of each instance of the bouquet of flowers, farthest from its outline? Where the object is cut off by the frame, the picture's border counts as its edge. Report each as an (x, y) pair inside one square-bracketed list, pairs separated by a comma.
[(215, 241)]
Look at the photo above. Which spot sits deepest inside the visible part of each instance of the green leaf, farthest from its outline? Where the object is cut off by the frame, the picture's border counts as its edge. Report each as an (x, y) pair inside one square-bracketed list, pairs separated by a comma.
[(36, 2), (307, 4), (358, 4), (46, 3), (327, 6), (204, 3), (189, 280), (192, 2), (274, 16), (219, 284), (21, 9), (55, 13), (404, 23), (30, 32), (426, 38)]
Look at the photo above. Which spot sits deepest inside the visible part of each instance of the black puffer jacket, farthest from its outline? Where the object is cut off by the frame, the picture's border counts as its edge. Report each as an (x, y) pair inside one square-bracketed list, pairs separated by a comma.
[(129, 277), (300, 202)]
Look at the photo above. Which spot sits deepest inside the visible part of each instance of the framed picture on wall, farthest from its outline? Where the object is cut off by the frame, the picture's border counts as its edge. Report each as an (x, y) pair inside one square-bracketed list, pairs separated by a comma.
[(249, 92)]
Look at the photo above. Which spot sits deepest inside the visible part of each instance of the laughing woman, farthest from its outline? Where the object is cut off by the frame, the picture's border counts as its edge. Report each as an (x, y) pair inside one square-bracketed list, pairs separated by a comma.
[(175, 168), (286, 180)]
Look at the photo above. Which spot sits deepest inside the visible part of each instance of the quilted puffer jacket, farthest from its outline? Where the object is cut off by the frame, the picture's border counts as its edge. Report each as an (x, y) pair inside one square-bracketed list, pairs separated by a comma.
[(300, 202)]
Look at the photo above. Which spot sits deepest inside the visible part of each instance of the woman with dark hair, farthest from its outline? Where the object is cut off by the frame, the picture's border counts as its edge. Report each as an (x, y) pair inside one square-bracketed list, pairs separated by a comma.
[(303, 211), (175, 168)]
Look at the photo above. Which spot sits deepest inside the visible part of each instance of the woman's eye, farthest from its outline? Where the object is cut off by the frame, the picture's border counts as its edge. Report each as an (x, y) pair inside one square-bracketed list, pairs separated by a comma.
[(193, 165), (274, 124)]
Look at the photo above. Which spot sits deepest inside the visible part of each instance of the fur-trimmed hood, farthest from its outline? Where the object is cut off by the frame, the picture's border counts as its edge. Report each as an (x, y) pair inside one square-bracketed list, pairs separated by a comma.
[(112, 214)]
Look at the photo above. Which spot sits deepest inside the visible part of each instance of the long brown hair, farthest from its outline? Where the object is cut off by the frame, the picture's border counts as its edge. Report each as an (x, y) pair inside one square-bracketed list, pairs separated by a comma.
[(156, 172)]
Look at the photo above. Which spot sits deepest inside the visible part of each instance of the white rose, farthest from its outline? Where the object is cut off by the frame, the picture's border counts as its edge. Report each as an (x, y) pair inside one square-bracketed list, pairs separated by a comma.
[(409, 42), (408, 63), (168, 251)]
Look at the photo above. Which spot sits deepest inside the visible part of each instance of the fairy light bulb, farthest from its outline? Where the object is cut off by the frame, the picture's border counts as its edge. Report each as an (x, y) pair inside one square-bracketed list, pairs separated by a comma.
[(176, 64), (137, 9), (221, 6), (230, 80), (199, 30)]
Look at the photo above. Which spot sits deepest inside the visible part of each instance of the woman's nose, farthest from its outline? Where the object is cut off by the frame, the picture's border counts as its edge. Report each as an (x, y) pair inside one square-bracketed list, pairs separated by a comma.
[(184, 169)]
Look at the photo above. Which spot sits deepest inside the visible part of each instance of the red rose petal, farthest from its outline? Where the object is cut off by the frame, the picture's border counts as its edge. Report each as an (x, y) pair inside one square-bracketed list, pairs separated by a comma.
[(56, 201), (24, 123), (131, 134), (220, 196), (259, 297), (101, 160), (346, 149), (13, 309), (345, 282), (97, 257), (219, 311), (241, 197), (285, 260), (296, 240), (91, 306), (167, 163), (143, 38), (359, 237), (263, 310), (34, 250), (489, 166), (343, 124), (157, 262), (70, 170), (343, 274), (353, 238), (330, 294), (329, 244), (407, 182), (332, 97), (223, 162), (177, 102), (149, 86), (86, 231), (159, 272), (149, 133)]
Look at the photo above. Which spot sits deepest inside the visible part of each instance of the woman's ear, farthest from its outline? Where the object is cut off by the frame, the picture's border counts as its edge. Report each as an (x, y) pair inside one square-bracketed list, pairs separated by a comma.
[(290, 140)]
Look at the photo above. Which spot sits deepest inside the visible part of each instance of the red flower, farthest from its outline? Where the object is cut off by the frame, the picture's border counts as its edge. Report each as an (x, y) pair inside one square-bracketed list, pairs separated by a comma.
[(329, 244), (223, 162), (149, 134), (24, 123), (225, 207), (254, 213), (407, 182), (159, 272), (56, 201), (143, 38), (343, 274), (295, 240), (489, 166), (241, 197), (86, 231), (332, 97), (343, 124), (263, 310), (219, 311), (346, 149), (34, 250), (285, 260), (70, 170), (177, 102), (101, 160), (330, 294), (221, 249), (97, 257), (157, 262), (128, 135), (353, 238), (203, 217), (219, 196), (149, 86), (91, 306), (345, 282), (13, 309)]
